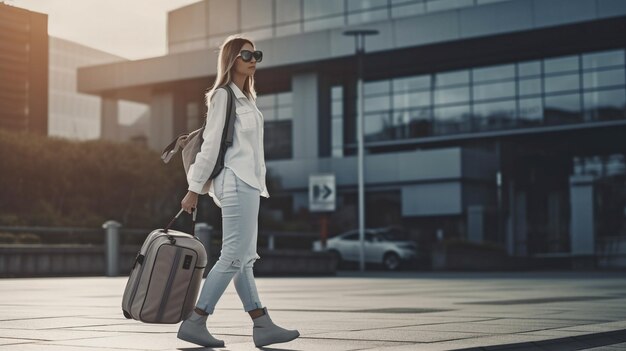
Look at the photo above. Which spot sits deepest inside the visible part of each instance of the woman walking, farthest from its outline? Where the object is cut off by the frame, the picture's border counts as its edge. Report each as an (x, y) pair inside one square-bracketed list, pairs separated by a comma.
[(236, 190)]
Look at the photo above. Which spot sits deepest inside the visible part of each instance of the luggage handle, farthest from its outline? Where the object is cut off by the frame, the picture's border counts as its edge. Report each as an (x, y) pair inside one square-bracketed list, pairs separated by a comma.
[(193, 223)]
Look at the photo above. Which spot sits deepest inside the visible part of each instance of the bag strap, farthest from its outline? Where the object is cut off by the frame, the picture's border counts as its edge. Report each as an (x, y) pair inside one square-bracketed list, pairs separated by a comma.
[(193, 223), (227, 134), (229, 126)]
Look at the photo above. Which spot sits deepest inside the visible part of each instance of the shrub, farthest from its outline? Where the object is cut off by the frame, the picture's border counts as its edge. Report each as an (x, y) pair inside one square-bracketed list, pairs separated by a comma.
[(48, 181)]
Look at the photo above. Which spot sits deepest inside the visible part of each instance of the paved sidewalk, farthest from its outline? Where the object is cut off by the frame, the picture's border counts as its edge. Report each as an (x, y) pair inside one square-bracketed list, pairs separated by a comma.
[(352, 311)]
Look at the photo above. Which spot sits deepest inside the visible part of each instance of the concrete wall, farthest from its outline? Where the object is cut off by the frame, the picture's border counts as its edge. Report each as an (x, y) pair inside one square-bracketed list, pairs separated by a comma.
[(432, 182), (90, 260), (305, 116), (161, 120), (399, 167)]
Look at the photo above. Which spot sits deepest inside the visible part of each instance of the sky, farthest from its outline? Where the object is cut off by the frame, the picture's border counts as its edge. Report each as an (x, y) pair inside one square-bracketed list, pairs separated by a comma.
[(133, 29)]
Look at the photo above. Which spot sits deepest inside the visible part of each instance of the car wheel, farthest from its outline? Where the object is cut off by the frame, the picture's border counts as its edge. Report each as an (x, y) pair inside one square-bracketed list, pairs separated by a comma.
[(391, 261)]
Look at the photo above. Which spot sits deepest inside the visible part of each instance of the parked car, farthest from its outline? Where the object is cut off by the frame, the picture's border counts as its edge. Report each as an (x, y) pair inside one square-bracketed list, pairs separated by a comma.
[(387, 246)]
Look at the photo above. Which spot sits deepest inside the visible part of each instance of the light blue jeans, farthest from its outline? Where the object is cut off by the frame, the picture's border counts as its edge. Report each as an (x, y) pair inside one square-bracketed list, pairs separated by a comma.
[(240, 212)]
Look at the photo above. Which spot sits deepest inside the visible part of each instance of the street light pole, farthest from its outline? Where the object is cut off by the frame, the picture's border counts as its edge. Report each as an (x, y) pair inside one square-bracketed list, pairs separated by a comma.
[(359, 35)]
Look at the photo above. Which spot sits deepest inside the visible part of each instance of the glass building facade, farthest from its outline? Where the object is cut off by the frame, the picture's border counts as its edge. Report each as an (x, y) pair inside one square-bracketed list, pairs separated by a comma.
[(263, 19), (277, 115), (583, 88), (268, 18), (492, 121)]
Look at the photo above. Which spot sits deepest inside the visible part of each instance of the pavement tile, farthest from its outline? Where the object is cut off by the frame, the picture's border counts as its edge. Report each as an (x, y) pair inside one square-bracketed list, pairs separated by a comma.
[(480, 341), (54, 323), (403, 311), (11, 341), (395, 334), (476, 328), (606, 348), (51, 334), (50, 347), (598, 327), (555, 333), (159, 341), (317, 344)]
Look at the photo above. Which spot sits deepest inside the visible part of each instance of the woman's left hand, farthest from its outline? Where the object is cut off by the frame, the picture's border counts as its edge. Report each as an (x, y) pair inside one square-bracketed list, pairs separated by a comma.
[(190, 201)]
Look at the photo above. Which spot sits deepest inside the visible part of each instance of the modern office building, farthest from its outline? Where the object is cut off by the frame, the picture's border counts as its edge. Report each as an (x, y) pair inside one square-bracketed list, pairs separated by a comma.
[(23, 70), (76, 115), (501, 121)]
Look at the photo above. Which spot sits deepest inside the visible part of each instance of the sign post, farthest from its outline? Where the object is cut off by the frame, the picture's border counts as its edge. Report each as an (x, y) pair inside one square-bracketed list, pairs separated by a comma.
[(322, 198)]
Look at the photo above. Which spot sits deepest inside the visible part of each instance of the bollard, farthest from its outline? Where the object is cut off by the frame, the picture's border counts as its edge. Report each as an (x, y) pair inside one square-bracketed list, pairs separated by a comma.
[(112, 230), (203, 233), (270, 242)]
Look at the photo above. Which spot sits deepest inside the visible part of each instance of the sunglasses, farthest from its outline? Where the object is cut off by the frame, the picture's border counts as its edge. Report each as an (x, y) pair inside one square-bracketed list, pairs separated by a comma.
[(246, 55)]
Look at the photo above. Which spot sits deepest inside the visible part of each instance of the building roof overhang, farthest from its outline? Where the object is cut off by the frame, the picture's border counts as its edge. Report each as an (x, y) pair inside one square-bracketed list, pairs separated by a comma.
[(333, 53)]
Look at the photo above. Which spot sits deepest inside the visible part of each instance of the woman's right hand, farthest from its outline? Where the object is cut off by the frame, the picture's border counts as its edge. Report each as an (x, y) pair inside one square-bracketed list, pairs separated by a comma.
[(190, 201)]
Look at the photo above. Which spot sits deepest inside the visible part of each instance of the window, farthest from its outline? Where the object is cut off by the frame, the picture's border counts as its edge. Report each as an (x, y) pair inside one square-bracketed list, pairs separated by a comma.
[(451, 120), (441, 5), (376, 103), (451, 78), (337, 121), (529, 86), (516, 95), (603, 59), (321, 14), (605, 105), (375, 126), (256, 14), (223, 17), (376, 87), (452, 95), (411, 99), (529, 69), (530, 112), (360, 11), (494, 115), (353, 236), (394, 234), (277, 113), (288, 18), (404, 8), (570, 82), (562, 109), (605, 78), (368, 16), (411, 83), (560, 64), (485, 74), (493, 90)]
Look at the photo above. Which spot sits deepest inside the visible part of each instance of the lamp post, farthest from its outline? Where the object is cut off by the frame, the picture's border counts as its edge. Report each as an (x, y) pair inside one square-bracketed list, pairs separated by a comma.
[(359, 42)]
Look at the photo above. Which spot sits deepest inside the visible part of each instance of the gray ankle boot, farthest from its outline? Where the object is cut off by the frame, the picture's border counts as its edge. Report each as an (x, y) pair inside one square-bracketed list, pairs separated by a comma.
[(265, 332), (193, 329)]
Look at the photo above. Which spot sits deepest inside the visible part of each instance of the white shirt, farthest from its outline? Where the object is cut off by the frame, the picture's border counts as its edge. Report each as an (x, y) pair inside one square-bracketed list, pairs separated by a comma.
[(245, 156)]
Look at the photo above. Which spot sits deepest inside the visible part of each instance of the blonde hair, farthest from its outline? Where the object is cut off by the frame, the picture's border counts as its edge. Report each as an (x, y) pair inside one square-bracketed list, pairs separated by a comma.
[(228, 52)]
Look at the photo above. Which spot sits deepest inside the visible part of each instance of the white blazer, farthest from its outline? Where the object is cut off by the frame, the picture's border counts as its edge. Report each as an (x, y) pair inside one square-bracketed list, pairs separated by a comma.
[(245, 157)]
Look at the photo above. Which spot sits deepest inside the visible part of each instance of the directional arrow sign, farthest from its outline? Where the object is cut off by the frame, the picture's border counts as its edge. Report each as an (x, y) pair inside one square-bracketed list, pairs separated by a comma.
[(321, 192)]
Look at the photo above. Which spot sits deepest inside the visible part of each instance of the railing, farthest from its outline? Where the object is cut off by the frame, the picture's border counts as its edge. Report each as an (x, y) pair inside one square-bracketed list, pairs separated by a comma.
[(611, 251), (58, 250)]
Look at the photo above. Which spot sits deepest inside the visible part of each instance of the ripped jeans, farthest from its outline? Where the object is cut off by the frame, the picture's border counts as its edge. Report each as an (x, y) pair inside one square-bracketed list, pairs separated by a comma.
[(240, 211)]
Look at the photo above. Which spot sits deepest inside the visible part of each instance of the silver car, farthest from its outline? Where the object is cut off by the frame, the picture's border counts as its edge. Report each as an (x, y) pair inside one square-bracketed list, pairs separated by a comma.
[(386, 246)]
